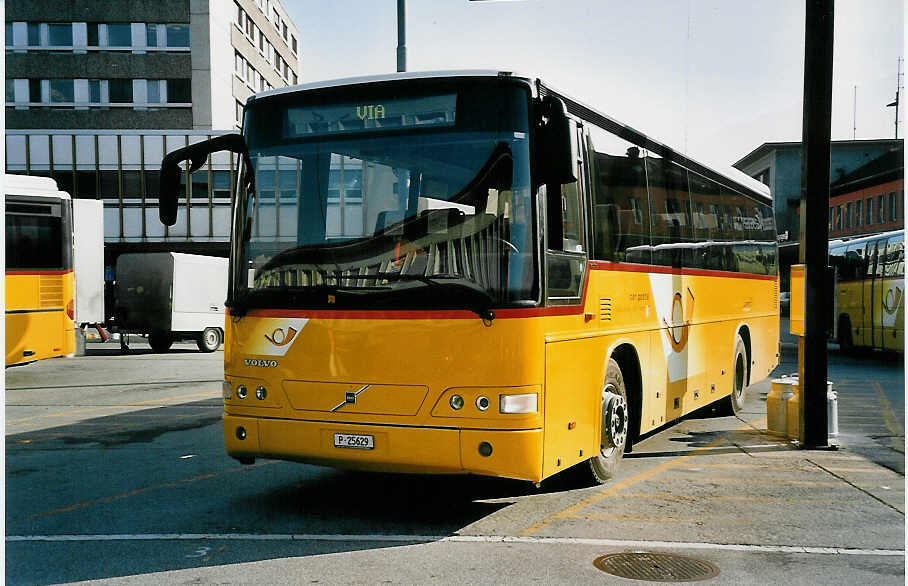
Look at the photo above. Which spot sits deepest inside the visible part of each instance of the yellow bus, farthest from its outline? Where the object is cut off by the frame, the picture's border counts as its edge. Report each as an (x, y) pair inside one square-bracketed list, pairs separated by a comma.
[(868, 296), (469, 273), (39, 270)]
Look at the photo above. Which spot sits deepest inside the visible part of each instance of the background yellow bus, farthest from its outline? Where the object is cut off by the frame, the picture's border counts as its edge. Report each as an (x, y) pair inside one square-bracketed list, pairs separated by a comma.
[(39, 270), (469, 273), (869, 291)]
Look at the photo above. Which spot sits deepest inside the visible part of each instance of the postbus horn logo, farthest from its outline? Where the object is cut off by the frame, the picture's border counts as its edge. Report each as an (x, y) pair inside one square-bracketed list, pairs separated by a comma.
[(279, 338), (678, 331), (892, 300)]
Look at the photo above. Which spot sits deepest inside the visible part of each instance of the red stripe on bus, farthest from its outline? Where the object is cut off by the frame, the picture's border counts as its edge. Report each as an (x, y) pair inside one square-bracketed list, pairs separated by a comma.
[(36, 272)]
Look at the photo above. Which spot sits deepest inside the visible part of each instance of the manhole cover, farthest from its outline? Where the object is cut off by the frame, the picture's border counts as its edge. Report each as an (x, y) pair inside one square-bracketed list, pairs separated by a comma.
[(657, 567)]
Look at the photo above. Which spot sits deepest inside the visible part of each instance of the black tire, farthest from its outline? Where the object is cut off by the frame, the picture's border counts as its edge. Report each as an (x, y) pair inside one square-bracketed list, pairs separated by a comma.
[(846, 342), (734, 403), (160, 341), (209, 340), (615, 415)]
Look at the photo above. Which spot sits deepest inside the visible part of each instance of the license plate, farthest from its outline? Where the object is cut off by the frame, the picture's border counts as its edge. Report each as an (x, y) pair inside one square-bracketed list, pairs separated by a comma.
[(357, 442)]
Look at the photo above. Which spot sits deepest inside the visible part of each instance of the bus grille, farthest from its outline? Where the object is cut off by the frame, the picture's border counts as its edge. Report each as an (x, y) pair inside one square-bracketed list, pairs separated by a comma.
[(50, 291), (605, 309)]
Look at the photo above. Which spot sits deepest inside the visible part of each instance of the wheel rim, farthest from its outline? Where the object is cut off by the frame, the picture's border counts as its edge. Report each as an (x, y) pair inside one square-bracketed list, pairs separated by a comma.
[(211, 338), (614, 421)]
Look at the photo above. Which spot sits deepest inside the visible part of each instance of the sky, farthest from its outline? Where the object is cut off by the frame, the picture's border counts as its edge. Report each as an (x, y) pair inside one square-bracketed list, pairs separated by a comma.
[(714, 79)]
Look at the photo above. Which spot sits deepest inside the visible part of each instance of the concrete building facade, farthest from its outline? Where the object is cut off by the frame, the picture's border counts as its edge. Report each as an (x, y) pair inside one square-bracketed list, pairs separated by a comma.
[(169, 64), (778, 165)]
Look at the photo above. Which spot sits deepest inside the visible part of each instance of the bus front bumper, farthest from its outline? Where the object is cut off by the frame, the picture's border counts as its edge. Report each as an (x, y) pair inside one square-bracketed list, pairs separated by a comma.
[(425, 450)]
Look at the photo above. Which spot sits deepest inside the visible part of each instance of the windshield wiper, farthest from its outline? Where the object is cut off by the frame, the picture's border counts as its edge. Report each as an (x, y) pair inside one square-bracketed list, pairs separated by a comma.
[(449, 282)]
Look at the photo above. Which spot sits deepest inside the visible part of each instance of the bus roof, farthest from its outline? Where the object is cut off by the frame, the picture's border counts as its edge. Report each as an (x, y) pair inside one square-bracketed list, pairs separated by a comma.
[(721, 173), (32, 185), (862, 239)]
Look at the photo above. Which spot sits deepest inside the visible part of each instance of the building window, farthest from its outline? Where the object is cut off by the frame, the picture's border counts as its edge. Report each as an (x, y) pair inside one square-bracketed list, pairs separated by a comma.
[(849, 215), (293, 44), (120, 91), (762, 176), (94, 91), (119, 35), (840, 220), (9, 34), (284, 29), (276, 18), (179, 91), (880, 209), (60, 35), (239, 15), (62, 91), (831, 219), (178, 35), (151, 35), (238, 63), (34, 34), (869, 211), (93, 37), (858, 213), (34, 91), (893, 207), (10, 91), (154, 91)]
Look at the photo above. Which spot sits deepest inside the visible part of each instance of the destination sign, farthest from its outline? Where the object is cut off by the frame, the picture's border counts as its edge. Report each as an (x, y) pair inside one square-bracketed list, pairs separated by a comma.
[(370, 115)]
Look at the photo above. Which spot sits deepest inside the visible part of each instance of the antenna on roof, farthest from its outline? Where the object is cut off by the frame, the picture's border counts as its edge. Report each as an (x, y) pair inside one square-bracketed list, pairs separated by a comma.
[(898, 86)]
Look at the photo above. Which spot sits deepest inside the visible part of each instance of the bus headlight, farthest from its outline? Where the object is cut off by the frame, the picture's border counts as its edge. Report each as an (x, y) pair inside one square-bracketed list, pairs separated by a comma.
[(241, 392), (227, 389), (523, 403), (456, 402)]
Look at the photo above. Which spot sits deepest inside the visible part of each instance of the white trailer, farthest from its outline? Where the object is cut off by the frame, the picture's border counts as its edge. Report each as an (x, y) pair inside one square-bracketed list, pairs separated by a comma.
[(88, 261), (170, 297)]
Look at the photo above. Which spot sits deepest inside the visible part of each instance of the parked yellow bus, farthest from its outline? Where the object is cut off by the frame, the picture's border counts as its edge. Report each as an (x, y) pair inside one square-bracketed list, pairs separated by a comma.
[(39, 270), (469, 273), (868, 296)]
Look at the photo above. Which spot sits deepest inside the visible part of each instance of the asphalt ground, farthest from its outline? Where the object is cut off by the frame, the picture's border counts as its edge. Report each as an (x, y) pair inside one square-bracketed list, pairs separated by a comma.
[(116, 474)]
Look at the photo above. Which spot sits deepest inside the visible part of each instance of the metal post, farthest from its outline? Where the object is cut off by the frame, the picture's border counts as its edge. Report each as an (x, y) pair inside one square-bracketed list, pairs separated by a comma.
[(814, 245), (401, 35)]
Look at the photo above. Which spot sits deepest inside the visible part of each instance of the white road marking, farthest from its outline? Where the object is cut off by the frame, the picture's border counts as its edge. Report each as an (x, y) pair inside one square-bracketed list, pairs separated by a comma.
[(802, 549)]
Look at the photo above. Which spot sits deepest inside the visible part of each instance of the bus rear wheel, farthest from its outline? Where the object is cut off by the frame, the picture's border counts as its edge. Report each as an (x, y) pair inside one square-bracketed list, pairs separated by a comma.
[(846, 342), (209, 340), (160, 341), (734, 403), (613, 432)]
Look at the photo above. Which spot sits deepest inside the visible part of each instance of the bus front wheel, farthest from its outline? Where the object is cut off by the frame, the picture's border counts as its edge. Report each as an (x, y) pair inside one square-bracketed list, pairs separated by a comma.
[(615, 424)]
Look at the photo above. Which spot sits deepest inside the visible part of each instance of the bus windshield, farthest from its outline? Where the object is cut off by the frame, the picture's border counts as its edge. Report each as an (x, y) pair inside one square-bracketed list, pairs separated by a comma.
[(410, 203)]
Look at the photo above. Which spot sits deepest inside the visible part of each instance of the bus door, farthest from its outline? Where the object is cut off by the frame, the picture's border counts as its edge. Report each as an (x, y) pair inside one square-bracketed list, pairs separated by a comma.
[(892, 312), (850, 299), (875, 291)]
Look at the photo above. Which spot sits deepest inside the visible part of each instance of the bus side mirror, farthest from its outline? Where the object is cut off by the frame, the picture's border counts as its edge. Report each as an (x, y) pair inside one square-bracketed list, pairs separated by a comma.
[(556, 154), (197, 155)]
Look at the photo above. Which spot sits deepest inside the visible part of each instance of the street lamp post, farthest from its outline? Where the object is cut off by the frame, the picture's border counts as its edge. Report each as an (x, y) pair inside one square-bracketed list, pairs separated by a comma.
[(401, 35)]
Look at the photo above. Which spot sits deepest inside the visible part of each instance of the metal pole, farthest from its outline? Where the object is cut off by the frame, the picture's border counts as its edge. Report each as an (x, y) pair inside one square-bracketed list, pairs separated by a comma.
[(401, 35), (814, 245)]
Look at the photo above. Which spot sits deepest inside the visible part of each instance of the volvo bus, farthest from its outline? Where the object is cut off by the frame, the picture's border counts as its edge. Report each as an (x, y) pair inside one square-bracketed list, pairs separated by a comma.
[(868, 294), (471, 273), (39, 270)]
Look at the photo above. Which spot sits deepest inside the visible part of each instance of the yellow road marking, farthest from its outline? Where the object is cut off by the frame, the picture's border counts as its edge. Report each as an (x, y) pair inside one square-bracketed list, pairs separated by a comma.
[(617, 487), (137, 491), (892, 423), (720, 497)]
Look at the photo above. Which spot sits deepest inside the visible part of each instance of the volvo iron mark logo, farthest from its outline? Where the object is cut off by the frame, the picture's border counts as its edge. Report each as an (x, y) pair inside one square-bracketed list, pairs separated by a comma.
[(261, 363)]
